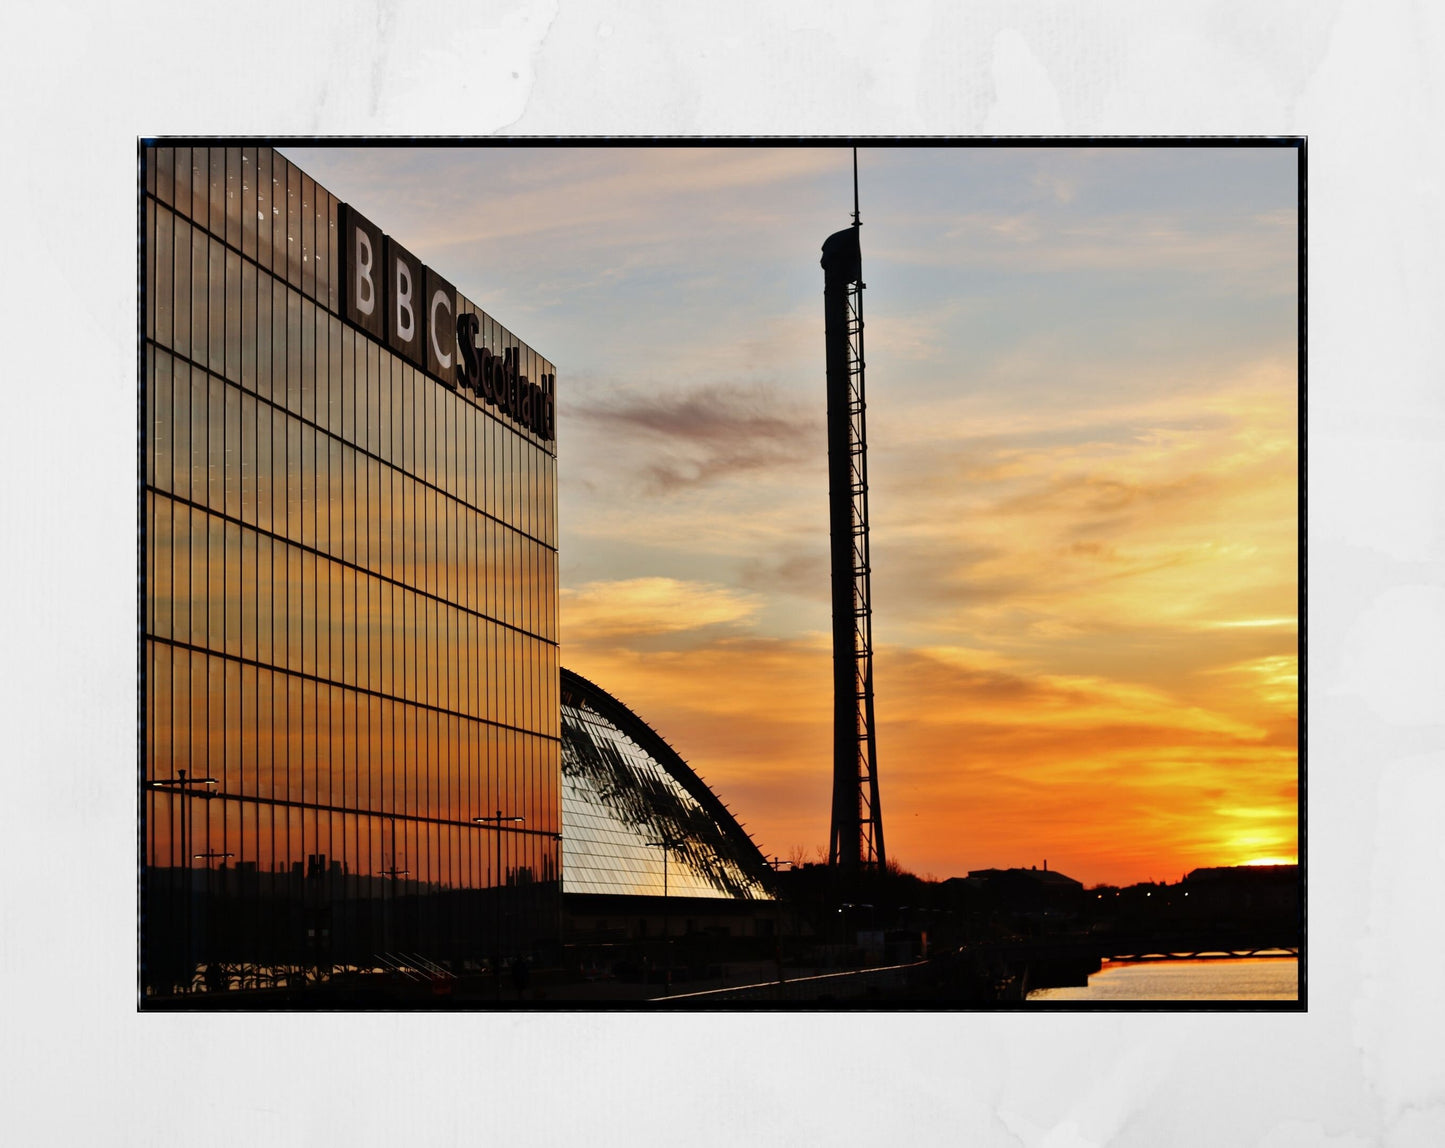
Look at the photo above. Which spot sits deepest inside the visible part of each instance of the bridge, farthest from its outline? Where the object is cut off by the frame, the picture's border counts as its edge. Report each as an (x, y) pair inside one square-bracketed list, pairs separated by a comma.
[(1055, 962)]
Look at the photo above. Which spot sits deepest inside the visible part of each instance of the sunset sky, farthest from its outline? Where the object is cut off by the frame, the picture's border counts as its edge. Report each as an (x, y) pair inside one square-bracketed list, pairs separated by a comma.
[(1083, 461)]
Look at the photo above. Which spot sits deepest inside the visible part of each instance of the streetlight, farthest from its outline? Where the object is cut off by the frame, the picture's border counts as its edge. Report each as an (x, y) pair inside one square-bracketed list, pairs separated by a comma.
[(665, 844), (208, 857), (389, 891), (180, 784), (499, 820)]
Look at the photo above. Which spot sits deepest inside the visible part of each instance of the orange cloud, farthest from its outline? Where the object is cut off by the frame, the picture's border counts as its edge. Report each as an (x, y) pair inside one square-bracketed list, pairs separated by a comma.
[(638, 607)]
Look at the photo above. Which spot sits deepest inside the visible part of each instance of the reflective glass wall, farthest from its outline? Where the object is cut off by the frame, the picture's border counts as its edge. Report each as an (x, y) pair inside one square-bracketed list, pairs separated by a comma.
[(350, 624)]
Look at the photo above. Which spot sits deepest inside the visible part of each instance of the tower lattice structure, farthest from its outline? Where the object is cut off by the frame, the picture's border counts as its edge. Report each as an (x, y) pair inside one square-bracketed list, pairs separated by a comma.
[(856, 837)]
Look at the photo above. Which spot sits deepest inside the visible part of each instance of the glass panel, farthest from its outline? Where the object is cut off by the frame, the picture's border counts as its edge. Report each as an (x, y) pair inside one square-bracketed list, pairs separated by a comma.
[(159, 404), (182, 200), (307, 619), (265, 471), (148, 289), (335, 487), (264, 604), (233, 196), (199, 582), (429, 405), (233, 317), (336, 607), (216, 444), (332, 262), (320, 697), (162, 160), (348, 384), (295, 612), (293, 351), (216, 307), (217, 218), (337, 363), (200, 437), (292, 511), (248, 458), (348, 613), (295, 758), (276, 510), (233, 451), (305, 232), (322, 606), (247, 592), (200, 295), (164, 262), (264, 210), (292, 221), (348, 504), (280, 587), (264, 335), (307, 482), (323, 369), (161, 559), (321, 203), (403, 420), (229, 563), (248, 202), (280, 171), (181, 282), (308, 359), (386, 641), (368, 368), (319, 466)]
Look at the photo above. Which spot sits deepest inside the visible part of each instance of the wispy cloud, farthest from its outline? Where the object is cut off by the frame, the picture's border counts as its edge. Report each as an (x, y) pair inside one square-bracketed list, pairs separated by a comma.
[(683, 438)]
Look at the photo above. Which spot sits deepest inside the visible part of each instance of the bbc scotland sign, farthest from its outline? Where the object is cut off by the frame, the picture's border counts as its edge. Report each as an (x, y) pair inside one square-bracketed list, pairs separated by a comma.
[(399, 301)]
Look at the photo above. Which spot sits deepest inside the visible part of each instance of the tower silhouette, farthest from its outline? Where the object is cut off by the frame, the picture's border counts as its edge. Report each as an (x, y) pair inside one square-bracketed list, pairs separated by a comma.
[(856, 838)]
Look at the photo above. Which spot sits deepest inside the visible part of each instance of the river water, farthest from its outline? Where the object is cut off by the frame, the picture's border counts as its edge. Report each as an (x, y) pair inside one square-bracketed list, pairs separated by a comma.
[(1242, 979)]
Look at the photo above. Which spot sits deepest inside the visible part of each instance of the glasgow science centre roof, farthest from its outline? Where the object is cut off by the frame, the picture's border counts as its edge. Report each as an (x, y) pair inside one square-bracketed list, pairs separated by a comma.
[(627, 797)]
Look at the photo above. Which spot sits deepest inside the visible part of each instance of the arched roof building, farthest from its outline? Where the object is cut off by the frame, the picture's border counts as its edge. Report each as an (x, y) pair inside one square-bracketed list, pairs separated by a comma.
[(625, 791)]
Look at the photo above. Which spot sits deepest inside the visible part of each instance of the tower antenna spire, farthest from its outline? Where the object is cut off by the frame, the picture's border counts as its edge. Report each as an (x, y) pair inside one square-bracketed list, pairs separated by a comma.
[(857, 222)]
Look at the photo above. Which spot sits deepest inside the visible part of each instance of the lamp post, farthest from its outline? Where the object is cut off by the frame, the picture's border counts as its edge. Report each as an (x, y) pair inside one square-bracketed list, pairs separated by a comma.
[(561, 909), (665, 844), (208, 857), (181, 784), (388, 904), (498, 820)]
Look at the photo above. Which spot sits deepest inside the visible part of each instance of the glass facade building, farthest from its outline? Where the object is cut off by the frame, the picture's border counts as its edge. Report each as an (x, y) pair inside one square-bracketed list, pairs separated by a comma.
[(349, 592), (639, 821)]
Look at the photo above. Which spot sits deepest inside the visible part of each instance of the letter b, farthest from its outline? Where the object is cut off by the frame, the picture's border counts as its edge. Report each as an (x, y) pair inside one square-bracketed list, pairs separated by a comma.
[(401, 292), (365, 285)]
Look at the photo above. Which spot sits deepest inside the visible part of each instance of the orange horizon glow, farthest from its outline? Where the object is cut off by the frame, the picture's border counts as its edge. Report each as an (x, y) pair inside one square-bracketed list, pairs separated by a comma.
[(1120, 703)]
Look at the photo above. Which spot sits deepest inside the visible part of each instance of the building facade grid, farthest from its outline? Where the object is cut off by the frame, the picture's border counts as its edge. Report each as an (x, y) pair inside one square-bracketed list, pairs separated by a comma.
[(350, 604)]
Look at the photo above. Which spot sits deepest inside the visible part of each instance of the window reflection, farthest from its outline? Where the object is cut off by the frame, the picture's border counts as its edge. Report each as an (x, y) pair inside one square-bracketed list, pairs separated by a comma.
[(333, 580)]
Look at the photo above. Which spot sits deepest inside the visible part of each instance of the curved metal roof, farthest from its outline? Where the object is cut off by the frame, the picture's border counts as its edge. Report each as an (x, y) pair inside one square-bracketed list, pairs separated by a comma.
[(625, 790)]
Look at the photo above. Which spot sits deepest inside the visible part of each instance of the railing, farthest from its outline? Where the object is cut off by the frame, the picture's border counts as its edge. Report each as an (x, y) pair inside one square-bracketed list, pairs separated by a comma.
[(824, 986)]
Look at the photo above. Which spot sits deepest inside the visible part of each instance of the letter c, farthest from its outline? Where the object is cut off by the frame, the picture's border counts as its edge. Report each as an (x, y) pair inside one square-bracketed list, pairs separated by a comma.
[(439, 299)]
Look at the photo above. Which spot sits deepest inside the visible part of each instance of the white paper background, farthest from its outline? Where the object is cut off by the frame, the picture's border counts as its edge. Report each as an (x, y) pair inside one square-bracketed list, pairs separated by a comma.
[(1363, 1067)]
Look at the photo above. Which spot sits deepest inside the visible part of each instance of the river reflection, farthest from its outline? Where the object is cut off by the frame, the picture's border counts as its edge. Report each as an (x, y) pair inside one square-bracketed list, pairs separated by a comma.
[(1244, 979)]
